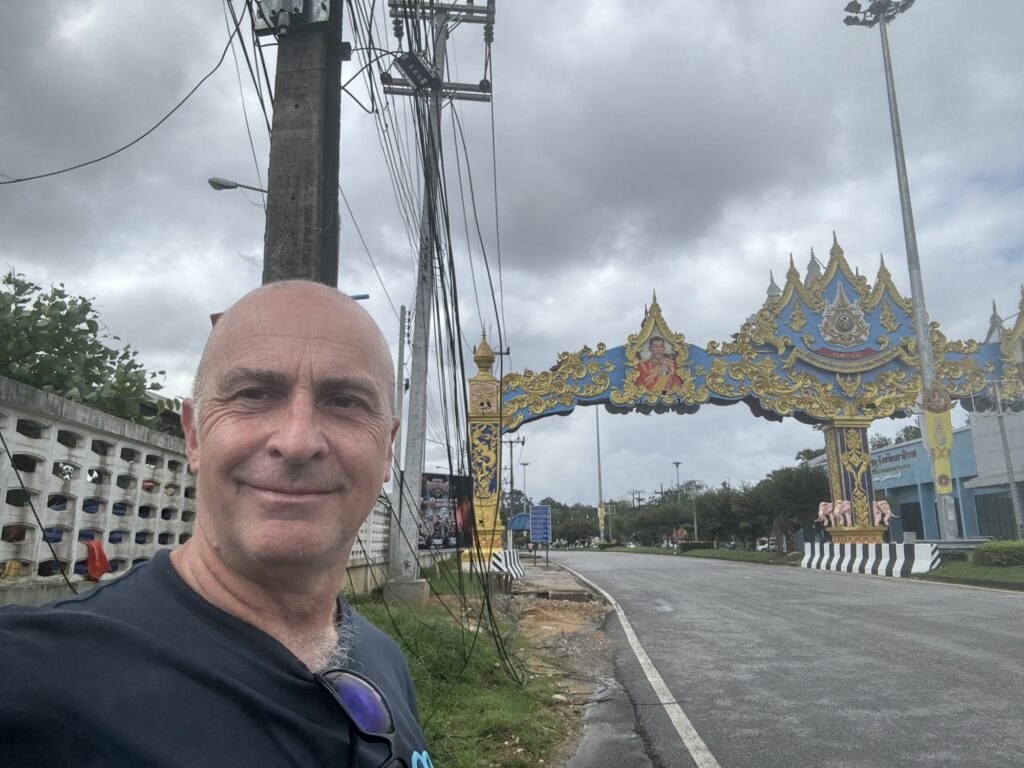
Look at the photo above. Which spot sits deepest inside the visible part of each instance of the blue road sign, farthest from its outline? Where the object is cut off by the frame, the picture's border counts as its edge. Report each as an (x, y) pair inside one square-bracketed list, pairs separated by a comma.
[(540, 524)]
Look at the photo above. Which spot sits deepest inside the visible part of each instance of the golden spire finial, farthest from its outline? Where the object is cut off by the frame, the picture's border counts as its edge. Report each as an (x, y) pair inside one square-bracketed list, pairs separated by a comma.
[(836, 250), (483, 355)]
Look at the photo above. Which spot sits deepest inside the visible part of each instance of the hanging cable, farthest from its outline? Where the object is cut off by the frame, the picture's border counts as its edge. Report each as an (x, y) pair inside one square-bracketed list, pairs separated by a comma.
[(136, 140)]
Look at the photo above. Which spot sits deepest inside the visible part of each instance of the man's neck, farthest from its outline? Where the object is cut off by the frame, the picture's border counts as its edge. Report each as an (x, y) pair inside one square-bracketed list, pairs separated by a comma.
[(295, 606)]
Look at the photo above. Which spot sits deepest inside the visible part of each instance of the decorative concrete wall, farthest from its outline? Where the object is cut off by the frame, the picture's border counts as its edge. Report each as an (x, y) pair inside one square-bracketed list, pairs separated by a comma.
[(88, 476)]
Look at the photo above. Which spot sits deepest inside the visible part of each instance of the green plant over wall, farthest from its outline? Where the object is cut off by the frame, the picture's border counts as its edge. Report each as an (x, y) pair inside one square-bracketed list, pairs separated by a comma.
[(53, 340)]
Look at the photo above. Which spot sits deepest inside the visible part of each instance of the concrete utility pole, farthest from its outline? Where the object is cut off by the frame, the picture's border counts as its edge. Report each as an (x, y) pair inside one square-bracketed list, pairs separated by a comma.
[(425, 81), (400, 397), (301, 236), (511, 443), (526, 504)]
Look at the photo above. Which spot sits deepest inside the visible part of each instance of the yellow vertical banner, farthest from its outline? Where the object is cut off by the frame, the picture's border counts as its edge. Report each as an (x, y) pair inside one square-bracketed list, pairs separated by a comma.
[(600, 519), (939, 434)]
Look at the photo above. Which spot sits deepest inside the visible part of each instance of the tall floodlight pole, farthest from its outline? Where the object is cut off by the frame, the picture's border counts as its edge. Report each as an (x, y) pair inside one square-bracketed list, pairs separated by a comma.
[(677, 463), (600, 491), (881, 12), (1011, 478)]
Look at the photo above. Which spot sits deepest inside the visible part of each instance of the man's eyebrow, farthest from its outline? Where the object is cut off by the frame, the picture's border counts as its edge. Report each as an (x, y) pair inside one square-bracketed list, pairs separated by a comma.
[(239, 376)]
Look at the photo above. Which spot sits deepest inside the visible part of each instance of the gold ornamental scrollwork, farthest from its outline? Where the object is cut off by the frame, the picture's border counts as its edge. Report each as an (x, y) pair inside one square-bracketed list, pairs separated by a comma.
[(888, 318), (856, 462), (484, 464), (571, 378), (797, 318)]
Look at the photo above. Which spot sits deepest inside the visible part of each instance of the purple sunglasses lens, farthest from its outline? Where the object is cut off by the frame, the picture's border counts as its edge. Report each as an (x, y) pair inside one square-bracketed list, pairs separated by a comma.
[(364, 705)]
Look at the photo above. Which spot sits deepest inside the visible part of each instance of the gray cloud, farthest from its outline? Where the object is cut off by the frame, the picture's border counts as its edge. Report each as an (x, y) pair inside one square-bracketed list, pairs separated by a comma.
[(687, 148)]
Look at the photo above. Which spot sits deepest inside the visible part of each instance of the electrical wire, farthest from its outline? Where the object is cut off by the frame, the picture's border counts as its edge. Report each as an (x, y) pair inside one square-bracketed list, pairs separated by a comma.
[(136, 140), (366, 248), (241, 93)]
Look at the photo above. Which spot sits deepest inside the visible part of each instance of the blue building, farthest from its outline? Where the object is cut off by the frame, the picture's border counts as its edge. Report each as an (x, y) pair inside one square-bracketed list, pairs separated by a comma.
[(902, 475)]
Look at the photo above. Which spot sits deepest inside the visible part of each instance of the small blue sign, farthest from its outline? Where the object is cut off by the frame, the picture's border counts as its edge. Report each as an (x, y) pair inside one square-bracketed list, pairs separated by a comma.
[(540, 524)]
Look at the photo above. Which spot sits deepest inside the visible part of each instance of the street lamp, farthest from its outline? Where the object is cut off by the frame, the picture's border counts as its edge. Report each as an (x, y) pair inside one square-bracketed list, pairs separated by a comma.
[(881, 12), (677, 463), (221, 184)]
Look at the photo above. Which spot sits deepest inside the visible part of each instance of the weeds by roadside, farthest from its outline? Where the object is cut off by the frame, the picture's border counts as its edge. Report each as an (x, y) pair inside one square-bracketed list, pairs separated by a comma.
[(473, 714)]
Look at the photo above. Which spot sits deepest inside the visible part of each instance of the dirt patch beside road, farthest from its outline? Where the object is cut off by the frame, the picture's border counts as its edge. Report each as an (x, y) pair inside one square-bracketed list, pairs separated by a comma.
[(565, 642)]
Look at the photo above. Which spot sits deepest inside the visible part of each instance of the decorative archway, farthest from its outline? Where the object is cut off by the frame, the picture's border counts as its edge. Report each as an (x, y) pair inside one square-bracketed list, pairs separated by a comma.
[(827, 349)]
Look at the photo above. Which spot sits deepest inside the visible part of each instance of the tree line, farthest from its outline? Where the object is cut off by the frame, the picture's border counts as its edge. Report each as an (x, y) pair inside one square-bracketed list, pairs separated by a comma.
[(784, 501)]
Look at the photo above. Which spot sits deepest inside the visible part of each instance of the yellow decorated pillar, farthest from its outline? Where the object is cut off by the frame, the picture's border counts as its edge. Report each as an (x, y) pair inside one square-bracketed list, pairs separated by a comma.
[(485, 454), (849, 471)]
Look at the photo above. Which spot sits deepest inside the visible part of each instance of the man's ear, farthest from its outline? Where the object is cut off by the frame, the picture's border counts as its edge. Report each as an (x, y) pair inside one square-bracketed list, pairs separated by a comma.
[(395, 423), (190, 426)]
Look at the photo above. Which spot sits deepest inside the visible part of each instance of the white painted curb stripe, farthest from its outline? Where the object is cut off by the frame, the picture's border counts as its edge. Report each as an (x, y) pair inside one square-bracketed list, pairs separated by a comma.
[(691, 739)]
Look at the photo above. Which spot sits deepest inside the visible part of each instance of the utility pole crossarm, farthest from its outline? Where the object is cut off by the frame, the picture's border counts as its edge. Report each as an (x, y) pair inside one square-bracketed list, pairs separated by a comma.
[(461, 12)]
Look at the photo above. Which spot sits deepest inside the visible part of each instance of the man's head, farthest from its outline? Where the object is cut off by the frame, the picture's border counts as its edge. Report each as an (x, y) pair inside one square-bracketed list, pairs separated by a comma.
[(290, 427)]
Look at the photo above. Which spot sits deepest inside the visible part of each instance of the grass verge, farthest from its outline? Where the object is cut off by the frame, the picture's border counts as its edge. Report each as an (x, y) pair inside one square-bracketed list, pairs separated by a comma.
[(472, 713), (768, 558), (959, 572), (643, 550)]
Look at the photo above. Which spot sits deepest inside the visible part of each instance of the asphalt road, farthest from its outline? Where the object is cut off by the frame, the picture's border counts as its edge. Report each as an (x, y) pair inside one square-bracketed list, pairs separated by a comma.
[(787, 667)]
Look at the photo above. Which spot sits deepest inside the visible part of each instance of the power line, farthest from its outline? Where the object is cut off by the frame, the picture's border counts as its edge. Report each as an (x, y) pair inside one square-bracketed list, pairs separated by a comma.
[(135, 141), (241, 93)]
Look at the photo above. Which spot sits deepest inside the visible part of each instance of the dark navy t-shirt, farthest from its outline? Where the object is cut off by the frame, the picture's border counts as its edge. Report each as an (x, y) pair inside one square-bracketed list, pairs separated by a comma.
[(144, 672)]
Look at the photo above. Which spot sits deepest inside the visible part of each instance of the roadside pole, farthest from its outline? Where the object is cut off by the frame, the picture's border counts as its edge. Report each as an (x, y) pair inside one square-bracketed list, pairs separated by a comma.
[(424, 81), (300, 241)]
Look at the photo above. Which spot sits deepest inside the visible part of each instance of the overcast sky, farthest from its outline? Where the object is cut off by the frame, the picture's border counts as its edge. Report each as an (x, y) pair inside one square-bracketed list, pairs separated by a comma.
[(684, 147)]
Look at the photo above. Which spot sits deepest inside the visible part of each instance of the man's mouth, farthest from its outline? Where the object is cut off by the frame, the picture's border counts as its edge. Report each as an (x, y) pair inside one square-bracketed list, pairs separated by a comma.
[(290, 492)]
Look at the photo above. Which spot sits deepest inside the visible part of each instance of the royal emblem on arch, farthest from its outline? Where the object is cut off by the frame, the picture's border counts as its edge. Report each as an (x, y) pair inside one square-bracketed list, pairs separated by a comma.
[(842, 322)]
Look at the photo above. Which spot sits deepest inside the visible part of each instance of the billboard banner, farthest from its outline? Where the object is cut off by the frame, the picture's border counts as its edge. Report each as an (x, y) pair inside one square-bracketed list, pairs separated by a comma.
[(446, 521)]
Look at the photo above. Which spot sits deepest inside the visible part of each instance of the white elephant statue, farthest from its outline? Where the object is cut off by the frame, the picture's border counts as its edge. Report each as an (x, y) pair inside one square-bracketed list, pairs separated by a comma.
[(825, 513), (882, 513), (843, 513)]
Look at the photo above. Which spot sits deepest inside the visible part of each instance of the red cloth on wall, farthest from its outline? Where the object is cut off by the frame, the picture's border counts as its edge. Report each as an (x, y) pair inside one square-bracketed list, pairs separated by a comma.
[(96, 563)]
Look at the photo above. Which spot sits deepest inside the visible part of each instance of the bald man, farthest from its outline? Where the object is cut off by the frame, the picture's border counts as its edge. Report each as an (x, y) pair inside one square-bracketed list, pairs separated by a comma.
[(236, 649)]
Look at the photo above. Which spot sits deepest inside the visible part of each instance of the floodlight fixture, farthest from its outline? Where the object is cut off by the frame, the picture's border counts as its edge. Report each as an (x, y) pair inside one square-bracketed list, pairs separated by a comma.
[(418, 71)]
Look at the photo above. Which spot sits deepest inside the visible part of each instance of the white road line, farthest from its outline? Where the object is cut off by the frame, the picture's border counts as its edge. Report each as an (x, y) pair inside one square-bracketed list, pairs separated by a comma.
[(691, 739)]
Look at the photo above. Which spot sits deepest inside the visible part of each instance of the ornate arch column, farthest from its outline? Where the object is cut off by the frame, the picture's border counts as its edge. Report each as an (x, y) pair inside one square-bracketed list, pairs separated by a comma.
[(849, 471), (485, 453)]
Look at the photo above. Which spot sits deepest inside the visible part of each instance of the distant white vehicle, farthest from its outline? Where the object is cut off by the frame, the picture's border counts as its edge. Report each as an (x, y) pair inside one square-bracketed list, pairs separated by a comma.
[(766, 545)]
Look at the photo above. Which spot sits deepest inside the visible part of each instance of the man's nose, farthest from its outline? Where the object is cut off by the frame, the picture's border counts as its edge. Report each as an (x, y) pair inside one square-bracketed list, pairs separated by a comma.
[(297, 434)]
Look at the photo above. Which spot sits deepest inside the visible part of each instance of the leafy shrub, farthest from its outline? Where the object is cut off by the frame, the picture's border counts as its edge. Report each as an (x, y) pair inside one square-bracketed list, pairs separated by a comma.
[(54, 341), (1000, 553)]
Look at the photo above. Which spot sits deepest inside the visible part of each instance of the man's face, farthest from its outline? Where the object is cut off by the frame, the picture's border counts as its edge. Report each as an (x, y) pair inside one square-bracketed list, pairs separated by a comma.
[(295, 435), (657, 348)]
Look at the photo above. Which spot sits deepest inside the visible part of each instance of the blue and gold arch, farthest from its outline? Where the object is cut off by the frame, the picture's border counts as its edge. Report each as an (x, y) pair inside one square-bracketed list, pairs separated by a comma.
[(828, 349)]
